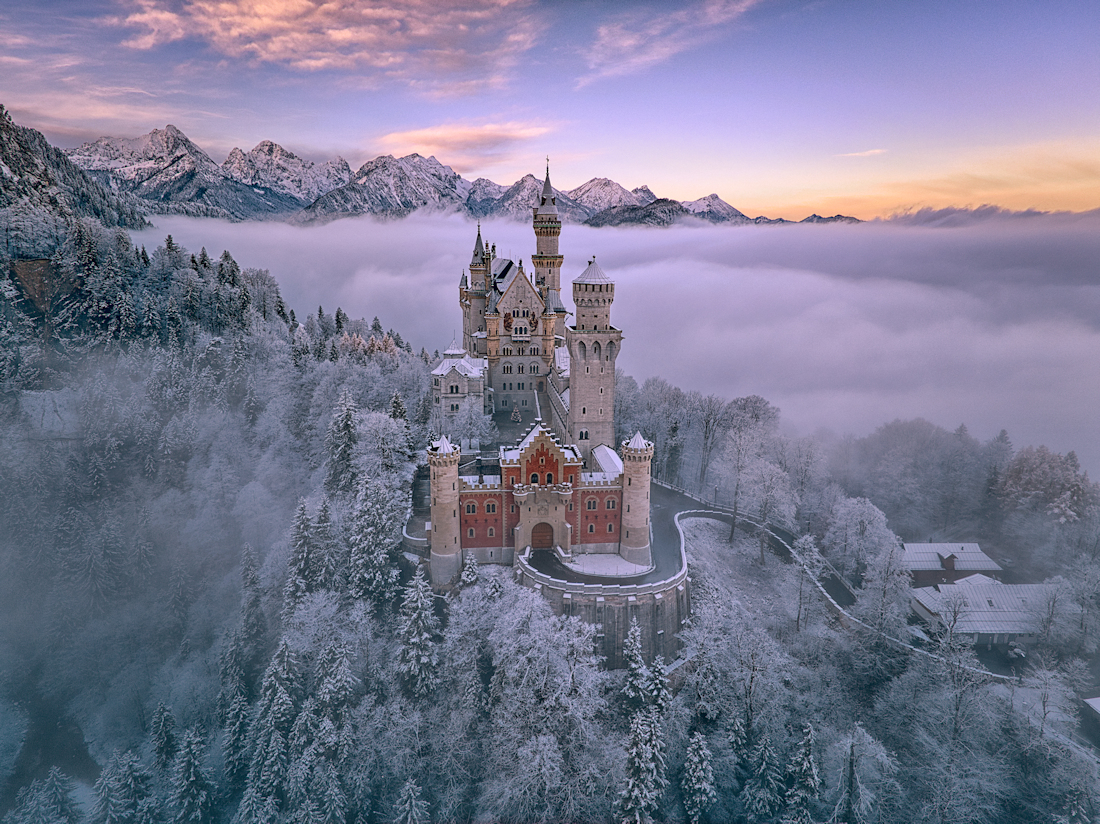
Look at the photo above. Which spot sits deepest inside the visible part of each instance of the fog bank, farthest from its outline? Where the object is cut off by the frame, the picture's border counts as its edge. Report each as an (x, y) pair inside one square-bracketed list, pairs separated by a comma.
[(994, 324)]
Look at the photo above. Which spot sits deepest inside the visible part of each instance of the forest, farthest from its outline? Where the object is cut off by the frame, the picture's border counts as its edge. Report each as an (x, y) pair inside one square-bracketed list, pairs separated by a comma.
[(201, 502)]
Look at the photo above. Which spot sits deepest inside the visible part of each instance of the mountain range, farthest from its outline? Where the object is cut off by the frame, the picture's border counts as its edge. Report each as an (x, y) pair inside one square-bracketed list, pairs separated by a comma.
[(168, 173)]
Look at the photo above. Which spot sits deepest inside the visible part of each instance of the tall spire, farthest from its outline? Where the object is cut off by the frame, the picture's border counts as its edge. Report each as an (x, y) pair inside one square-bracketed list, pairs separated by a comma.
[(547, 203), (479, 247)]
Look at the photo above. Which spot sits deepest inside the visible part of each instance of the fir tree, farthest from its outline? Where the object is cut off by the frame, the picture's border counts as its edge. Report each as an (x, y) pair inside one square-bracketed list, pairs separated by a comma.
[(328, 793), (376, 532), (417, 629), (657, 692), (636, 688), (108, 807), (325, 571), (469, 572), (163, 732), (48, 801), (253, 620), (397, 407), (804, 782), (698, 781), (342, 437), (300, 566), (191, 788), (645, 768), (124, 793), (235, 740), (341, 320), (411, 809), (762, 794)]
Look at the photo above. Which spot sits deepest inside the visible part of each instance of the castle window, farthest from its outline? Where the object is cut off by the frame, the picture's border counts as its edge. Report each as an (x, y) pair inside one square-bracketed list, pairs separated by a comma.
[(492, 532), (470, 532), (454, 407), (490, 506), (591, 528), (506, 351), (535, 478), (611, 527), (584, 410), (513, 508), (570, 479), (520, 369), (436, 381), (453, 389), (535, 367), (549, 478), (610, 503), (507, 369), (471, 509), (570, 506), (590, 503)]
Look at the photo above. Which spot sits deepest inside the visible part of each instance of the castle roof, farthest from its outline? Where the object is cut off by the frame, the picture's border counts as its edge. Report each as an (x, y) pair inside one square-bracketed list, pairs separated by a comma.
[(593, 274), (443, 446), (454, 349), (608, 459), (638, 442), (547, 203), (479, 248)]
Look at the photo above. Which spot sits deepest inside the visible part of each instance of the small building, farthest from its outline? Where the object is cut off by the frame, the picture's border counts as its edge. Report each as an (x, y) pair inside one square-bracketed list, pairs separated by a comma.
[(458, 381), (931, 564), (982, 609)]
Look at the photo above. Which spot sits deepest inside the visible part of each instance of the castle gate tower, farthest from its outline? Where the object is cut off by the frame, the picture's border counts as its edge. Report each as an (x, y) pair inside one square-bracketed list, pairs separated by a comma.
[(637, 454), (446, 552), (593, 347)]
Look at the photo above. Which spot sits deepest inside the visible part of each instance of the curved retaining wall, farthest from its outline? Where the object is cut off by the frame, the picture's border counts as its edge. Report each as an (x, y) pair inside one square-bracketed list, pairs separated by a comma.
[(661, 608)]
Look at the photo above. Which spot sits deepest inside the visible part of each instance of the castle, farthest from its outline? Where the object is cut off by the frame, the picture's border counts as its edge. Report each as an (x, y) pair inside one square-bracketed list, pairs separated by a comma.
[(562, 493)]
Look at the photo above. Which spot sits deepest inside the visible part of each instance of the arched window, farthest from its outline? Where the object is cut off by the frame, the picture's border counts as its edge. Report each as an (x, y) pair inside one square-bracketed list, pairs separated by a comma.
[(610, 503), (611, 527), (535, 478), (534, 366), (591, 528), (519, 368), (490, 506), (506, 351), (582, 350), (507, 369), (471, 509), (470, 532), (549, 478), (596, 350), (492, 532), (590, 503)]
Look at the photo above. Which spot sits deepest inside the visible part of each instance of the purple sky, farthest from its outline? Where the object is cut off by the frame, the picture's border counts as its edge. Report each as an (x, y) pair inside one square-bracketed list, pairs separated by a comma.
[(781, 107)]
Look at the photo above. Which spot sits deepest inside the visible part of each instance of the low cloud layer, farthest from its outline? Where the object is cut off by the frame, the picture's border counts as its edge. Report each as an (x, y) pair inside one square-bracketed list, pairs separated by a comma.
[(996, 324)]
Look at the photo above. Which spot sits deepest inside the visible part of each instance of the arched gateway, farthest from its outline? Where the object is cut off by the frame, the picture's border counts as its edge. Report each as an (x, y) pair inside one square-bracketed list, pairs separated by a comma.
[(542, 536)]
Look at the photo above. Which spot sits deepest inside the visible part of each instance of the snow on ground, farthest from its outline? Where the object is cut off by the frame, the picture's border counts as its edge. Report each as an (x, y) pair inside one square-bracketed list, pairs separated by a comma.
[(734, 574)]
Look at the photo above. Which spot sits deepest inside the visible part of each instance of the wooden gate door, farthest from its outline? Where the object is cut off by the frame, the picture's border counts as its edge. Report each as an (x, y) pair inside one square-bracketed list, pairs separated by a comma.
[(542, 536)]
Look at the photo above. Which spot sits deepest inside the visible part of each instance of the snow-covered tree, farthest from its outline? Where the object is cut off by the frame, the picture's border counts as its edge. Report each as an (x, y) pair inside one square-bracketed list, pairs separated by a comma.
[(235, 739), (192, 792), (857, 532), (763, 792), (469, 572), (327, 555), (410, 808), (46, 801), (340, 442), (698, 781), (883, 600), (162, 730), (299, 571), (124, 793), (803, 781), (657, 691), (863, 773), (767, 494), (637, 684), (337, 685), (418, 630), (645, 768), (376, 532)]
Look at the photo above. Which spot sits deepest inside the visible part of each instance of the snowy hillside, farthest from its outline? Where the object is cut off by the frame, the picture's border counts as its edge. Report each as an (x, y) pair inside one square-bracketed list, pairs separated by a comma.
[(600, 193), (716, 210), (272, 166)]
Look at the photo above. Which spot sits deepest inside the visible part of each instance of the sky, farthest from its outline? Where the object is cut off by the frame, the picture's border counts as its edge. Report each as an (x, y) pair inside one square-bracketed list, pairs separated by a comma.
[(781, 107), (987, 320)]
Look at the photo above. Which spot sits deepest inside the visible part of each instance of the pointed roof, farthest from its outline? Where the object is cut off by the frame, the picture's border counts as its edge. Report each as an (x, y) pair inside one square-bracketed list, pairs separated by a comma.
[(593, 274), (443, 446), (454, 349), (548, 203), (638, 442), (479, 248), (462, 283)]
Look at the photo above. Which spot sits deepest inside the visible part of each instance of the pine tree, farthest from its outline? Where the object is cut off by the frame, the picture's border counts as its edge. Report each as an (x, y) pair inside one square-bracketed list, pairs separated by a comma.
[(645, 768), (342, 437), (657, 687), (300, 565), (253, 620), (762, 794), (341, 320), (698, 781), (327, 551), (397, 407), (48, 801), (191, 789), (636, 688), (163, 732), (328, 793), (108, 808), (738, 739), (804, 781), (469, 572), (410, 808), (376, 532), (1077, 807), (417, 629), (235, 740), (337, 685)]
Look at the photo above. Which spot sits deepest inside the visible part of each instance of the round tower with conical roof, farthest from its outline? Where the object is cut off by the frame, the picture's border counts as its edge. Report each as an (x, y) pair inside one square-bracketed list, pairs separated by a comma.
[(446, 549), (593, 348), (637, 455)]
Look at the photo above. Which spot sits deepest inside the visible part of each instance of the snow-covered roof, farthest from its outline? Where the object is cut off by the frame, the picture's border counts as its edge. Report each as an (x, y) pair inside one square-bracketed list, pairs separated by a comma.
[(465, 366), (547, 202), (638, 442), (593, 274), (480, 480), (561, 359), (608, 460), (967, 557), (565, 399), (454, 349), (479, 248), (989, 607), (443, 446), (599, 477)]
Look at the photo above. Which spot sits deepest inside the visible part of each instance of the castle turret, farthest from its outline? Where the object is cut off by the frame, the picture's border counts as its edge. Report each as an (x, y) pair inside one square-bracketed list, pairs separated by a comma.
[(472, 296), (593, 347), (637, 454), (446, 551), (546, 260)]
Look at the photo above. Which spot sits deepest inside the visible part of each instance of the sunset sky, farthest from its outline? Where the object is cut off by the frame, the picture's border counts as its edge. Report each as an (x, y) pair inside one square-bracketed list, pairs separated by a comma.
[(781, 107)]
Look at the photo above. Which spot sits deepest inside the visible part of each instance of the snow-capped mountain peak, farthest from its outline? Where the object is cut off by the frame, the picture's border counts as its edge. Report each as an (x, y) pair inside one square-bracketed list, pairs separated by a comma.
[(600, 193), (272, 166)]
